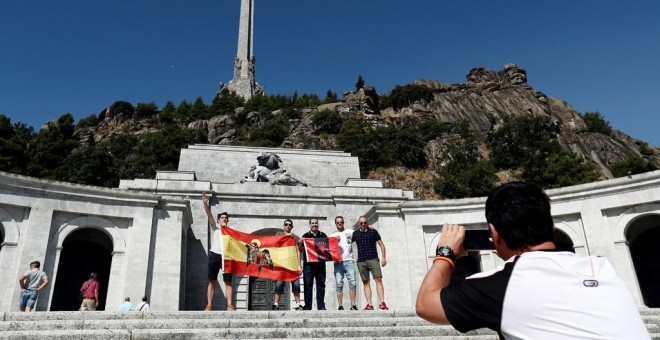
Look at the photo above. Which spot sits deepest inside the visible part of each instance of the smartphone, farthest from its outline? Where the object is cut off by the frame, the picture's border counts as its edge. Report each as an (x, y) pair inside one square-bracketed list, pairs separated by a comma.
[(477, 240)]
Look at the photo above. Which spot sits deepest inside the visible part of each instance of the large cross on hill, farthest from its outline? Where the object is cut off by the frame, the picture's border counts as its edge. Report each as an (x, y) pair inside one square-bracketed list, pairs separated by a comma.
[(244, 83)]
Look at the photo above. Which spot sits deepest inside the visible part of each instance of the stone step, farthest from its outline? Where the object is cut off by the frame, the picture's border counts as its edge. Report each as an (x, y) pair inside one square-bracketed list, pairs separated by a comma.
[(209, 323), (214, 334), (318, 325), (35, 316)]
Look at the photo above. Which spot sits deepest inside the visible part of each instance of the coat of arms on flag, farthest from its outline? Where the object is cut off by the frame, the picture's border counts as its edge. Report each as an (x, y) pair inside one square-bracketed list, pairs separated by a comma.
[(322, 249), (269, 257)]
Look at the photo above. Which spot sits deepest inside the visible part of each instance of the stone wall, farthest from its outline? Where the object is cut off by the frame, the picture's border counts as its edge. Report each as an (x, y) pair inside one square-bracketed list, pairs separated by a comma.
[(230, 164)]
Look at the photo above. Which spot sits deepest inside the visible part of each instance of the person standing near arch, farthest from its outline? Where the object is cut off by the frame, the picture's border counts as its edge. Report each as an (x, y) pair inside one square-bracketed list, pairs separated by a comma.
[(346, 267), (313, 271), (295, 285), (366, 239), (31, 282), (215, 258), (90, 293)]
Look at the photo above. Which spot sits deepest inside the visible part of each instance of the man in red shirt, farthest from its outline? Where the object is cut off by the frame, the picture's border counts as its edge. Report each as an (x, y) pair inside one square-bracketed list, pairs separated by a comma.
[(90, 293)]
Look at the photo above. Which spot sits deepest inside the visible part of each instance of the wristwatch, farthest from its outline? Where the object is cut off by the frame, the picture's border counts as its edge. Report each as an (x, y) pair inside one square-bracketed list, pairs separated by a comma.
[(445, 251)]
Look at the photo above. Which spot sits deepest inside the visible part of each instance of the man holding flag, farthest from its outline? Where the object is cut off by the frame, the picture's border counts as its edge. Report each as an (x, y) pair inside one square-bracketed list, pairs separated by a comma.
[(215, 257), (345, 266), (295, 284), (314, 268)]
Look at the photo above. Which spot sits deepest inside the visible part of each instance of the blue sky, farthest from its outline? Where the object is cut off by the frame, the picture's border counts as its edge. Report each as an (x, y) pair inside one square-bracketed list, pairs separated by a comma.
[(80, 56)]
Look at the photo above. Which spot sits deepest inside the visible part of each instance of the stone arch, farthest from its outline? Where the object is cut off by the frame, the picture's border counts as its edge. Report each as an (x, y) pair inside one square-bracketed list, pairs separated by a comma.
[(95, 222), (626, 218), (8, 227), (643, 236), (569, 231), (84, 244)]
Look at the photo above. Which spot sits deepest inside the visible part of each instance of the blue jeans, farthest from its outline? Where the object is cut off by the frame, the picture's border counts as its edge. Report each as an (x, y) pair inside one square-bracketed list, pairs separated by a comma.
[(311, 272), (346, 268), (28, 298)]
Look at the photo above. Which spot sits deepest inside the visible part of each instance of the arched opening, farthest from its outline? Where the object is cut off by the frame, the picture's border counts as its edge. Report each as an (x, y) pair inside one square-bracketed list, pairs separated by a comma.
[(84, 251), (261, 291), (643, 236), (563, 241)]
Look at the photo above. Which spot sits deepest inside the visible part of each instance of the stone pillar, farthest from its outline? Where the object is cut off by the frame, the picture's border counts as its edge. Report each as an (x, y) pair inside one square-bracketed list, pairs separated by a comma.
[(9, 283), (244, 83), (140, 238), (34, 248), (166, 273)]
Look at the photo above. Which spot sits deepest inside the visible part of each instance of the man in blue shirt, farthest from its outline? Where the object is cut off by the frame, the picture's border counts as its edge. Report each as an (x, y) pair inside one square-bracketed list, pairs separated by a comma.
[(366, 239), (127, 306)]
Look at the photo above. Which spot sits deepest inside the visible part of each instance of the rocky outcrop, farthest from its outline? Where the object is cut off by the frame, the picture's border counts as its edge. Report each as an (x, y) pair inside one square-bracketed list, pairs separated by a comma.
[(484, 100)]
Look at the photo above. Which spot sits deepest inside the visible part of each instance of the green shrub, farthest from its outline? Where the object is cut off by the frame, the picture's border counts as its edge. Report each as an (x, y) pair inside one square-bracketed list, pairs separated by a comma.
[(89, 121), (403, 96), (631, 166), (597, 123), (270, 134), (327, 121)]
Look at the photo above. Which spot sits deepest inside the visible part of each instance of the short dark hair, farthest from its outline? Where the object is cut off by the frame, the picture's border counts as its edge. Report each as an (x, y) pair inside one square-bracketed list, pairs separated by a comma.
[(93, 276), (288, 220), (520, 213), (223, 213), (313, 218), (339, 216), (36, 264)]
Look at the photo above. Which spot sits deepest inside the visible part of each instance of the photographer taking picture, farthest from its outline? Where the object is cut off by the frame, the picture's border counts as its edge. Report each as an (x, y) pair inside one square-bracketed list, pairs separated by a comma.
[(539, 292)]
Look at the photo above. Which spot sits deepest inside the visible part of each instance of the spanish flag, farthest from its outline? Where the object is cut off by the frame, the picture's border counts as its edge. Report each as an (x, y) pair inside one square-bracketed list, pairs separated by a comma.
[(269, 257)]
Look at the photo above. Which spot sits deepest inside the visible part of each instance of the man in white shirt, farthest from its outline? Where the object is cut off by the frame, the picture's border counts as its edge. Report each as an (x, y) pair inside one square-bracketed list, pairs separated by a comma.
[(540, 292), (345, 267), (215, 258)]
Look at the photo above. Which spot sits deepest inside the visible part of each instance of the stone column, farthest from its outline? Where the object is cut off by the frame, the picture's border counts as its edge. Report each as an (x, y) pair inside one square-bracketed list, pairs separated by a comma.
[(244, 83)]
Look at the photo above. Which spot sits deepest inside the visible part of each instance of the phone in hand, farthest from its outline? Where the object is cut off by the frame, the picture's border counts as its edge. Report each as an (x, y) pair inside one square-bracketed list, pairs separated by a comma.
[(478, 240)]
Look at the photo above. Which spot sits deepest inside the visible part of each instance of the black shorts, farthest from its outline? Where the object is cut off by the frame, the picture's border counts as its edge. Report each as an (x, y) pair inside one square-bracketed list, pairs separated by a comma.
[(215, 264)]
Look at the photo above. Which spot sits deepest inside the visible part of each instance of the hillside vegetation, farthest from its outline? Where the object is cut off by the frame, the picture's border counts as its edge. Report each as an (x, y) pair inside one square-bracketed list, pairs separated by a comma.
[(439, 140)]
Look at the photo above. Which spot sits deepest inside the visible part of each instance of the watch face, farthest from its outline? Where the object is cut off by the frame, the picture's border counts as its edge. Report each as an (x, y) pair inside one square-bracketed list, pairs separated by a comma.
[(445, 251)]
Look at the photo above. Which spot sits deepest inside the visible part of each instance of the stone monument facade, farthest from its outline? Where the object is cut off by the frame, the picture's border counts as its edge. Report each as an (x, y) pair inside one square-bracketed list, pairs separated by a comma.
[(244, 82), (150, 236)]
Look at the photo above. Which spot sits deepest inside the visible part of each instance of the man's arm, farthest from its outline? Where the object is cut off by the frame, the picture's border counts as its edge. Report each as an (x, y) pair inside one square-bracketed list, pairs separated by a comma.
[(96, 294), (44, 284), (428, 305), (21, 281), (383, 261), (207, 209)]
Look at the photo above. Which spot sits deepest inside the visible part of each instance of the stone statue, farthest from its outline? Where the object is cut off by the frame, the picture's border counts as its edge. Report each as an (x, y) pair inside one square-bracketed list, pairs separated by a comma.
[(237, 67), (271, 170), (251, 67)]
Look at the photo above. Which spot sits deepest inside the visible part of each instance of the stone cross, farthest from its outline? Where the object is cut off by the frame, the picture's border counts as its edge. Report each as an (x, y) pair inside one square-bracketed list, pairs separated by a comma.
[(244, 83)]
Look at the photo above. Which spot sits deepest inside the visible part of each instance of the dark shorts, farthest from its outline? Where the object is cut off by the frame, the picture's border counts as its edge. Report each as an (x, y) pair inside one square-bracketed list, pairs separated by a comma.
[(215, 265), (370, 266), (295, 286)]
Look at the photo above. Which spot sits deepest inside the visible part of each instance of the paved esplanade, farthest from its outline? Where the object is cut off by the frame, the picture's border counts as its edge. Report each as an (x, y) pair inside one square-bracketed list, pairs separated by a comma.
[(244, 83)]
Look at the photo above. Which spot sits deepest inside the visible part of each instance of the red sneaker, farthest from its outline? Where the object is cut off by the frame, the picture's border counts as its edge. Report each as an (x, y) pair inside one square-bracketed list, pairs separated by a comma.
[(383, 306), (368, 307)]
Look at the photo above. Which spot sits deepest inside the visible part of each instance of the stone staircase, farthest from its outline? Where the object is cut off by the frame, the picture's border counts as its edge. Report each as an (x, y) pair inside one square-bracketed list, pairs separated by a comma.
[(400, 324)]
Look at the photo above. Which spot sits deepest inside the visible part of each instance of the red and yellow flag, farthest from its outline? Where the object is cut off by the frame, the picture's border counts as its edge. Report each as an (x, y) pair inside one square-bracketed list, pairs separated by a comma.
[(269, 257)]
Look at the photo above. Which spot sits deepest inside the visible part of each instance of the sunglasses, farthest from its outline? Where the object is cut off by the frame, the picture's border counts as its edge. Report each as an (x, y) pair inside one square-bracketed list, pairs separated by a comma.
[(288, 224), (339, 222), (363, 223)]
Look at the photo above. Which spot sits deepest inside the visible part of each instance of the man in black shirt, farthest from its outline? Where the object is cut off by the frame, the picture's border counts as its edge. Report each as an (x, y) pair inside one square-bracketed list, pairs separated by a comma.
[(314, 270), (539, 292)]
